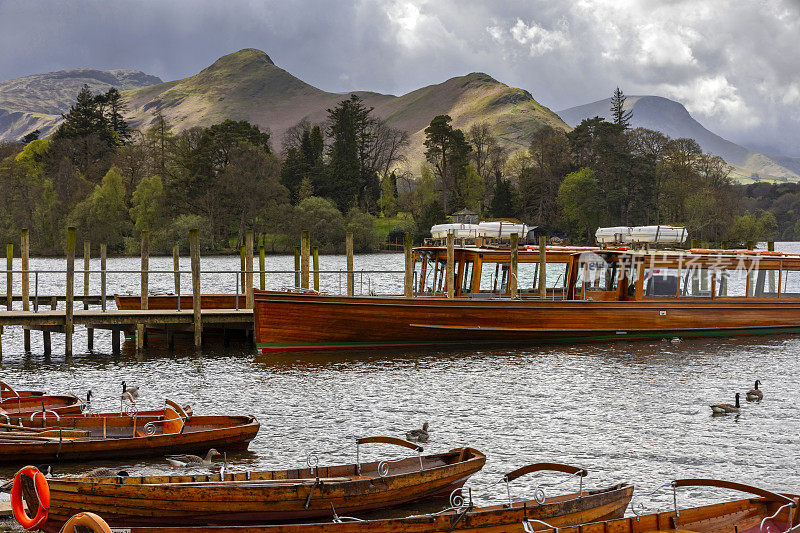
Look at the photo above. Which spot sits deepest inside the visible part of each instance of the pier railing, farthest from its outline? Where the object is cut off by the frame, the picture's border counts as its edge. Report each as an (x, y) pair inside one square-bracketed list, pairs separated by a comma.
[(363, 277)]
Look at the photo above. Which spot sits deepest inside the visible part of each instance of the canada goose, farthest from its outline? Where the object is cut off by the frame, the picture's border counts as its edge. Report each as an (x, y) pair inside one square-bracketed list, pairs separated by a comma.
[(105, 472), (192, 460), (726, 407), (418, 435), (47, 470), (755, 393), (133, 391)]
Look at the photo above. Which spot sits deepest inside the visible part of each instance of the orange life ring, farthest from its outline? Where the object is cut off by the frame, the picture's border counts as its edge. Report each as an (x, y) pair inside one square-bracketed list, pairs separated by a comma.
[(42, 494), (90, 520)]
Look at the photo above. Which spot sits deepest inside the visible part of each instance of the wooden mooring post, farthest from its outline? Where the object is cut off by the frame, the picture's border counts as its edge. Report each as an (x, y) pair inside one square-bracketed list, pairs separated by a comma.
[(87, 256), (408, 278), (315, 255), (24, 251), (262, 267), (141, 334), (248, 245), (70, 300), (350, 275), (176, 267), (542, 267), (451, 265), (305, 252), (9, 276), (194, 251), (115, 333), (512, 265), (297, 266), (242, 268)]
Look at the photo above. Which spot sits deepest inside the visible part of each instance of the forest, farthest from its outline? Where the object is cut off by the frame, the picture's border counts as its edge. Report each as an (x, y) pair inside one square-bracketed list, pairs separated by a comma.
[(350, 174)]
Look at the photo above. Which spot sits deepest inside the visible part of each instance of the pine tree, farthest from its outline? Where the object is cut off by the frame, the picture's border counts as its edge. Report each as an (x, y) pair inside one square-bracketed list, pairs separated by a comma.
[(84, 118), (112, 106), (621, 117)]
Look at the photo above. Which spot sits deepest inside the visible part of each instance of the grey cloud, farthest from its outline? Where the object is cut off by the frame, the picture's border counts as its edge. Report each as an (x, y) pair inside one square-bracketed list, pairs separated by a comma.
[(733, 62)]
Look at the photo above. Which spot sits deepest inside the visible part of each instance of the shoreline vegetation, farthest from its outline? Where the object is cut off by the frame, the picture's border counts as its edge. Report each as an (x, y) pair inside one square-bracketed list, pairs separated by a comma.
[(349, 174)]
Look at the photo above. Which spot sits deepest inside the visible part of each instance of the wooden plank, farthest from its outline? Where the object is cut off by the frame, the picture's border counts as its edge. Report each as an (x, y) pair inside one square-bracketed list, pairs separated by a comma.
[(194, 248), (349, 251), (9, 276), (512, 266), (408, 279), (248, 245), (69, 310)]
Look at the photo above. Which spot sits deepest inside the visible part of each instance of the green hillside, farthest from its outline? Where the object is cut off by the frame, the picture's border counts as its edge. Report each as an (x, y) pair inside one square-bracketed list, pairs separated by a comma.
[(247, 85)]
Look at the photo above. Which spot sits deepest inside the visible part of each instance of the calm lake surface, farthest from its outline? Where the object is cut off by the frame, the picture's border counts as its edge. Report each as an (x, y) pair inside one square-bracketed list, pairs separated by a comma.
[(627, 411)]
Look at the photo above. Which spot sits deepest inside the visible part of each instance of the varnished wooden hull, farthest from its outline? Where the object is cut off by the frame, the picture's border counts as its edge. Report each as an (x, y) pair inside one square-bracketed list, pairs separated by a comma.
[(290, 321), (264, 497), (26, 405), (123, 439), (560, 511)]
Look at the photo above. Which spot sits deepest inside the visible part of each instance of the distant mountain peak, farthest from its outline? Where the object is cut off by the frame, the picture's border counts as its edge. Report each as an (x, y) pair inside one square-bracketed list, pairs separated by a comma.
[(243, 59), (673, 119)]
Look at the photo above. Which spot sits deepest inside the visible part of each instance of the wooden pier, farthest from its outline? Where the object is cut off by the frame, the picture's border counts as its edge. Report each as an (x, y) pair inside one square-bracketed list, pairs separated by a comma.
[(39, 312)]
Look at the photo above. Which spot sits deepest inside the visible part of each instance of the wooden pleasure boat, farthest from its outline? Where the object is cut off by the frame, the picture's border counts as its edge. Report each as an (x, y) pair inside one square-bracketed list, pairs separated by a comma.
[(561, 510), (261, 497), (496, 293), (115, 435), (766, 512)]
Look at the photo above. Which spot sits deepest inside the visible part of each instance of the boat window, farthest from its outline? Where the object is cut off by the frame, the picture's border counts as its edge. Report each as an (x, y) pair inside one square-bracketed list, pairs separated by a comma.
[(466, 277), (696, 282), (790, 279), (601, 276), (632, 274), (766, 283), (418, 275), (732, 283), (528, 277), (429, 278), (660, 282), (441, 274), (494, 277)]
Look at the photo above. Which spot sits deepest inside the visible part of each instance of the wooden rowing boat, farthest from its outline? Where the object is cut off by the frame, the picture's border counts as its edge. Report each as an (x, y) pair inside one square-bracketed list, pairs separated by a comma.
[(116, 435), (260, 497), (766, 512), (40, 405), (7, 391), (562, 510)]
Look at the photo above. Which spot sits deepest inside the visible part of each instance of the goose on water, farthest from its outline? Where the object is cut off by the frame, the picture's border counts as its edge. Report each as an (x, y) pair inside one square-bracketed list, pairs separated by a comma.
[(192, 460), (755, 393), (418, 435), (132, 391), (726, 407)]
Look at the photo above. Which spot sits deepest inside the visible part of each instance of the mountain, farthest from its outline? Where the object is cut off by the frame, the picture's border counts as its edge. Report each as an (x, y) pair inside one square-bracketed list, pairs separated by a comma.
[(247, 85), (672, 119), (37, 101)]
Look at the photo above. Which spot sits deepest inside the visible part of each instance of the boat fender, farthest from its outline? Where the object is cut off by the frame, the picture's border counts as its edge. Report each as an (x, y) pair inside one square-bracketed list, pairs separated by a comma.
[(87, 520), (42, 494)]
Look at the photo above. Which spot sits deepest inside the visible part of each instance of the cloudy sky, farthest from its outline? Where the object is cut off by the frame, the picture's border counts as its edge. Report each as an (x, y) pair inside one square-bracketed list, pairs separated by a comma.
[(735, 64)]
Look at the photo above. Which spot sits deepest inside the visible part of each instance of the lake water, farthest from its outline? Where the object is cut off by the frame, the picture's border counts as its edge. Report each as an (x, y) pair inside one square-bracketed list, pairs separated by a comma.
[(626, 411)]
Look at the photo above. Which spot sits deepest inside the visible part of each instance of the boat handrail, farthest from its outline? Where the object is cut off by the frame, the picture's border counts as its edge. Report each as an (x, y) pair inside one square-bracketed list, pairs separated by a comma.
[(538, 492), (44, 412), (383, 466), (717, 483)]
